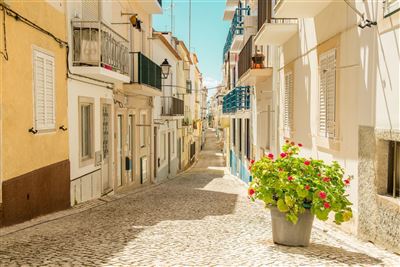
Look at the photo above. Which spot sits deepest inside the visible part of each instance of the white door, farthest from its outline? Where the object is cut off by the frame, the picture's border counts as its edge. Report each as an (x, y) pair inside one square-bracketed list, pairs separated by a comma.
[(131, 146), (106, 147), (119, 151)]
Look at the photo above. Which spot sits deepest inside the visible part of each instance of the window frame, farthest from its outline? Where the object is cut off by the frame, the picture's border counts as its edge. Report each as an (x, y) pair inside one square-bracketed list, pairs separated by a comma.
[(393, 170), (46, 55), (142, 129), (390, 8), (288, 104), (87, 160)]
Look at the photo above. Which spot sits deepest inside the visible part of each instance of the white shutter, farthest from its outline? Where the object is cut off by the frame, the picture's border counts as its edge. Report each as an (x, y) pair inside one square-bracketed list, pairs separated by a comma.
[(44, 93), (327, 94), (288, 102)]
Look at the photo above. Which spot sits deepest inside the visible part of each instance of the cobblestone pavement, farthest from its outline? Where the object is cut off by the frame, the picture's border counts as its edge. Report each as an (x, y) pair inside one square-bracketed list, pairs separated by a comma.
[(201, 218)]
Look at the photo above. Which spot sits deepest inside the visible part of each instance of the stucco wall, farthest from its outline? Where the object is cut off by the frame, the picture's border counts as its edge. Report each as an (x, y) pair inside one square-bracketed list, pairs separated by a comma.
[(379, 216), (22, 151)]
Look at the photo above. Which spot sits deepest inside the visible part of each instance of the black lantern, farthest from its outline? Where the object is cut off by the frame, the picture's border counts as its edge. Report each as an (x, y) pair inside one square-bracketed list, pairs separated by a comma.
[(165, 67)]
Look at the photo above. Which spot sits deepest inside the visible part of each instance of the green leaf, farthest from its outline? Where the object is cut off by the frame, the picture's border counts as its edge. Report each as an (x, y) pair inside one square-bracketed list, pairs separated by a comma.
[(282, 206), (292, 218), (289, 200), (322, 214)]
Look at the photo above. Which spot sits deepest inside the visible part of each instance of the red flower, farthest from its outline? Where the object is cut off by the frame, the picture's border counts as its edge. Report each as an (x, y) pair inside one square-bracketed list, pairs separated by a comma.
[(319, 175), (327, 205), (251, 191), (307, 163), (322, 195), (283, 155), (292, 143), (280, 169), (290, 178), (347, 181), (326, 179), (252, 161), (300, 145), (270, 155), (307, 187)]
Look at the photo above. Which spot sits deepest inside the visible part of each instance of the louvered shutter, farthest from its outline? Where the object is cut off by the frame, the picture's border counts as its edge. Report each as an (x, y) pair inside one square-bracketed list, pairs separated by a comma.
[(288, 102), (44, 91), (327, 94)]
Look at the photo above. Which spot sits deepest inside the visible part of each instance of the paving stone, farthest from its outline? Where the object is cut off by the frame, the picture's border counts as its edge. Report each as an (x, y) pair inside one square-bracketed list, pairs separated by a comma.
[(201, 218)]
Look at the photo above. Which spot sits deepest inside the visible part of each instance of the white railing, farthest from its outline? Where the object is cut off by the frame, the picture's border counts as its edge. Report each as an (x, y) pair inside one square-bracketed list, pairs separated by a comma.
[(96, 44)]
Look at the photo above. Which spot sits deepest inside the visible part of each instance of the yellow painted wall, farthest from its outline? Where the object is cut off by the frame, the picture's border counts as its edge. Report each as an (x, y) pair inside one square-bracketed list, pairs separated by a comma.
[(21, 151)]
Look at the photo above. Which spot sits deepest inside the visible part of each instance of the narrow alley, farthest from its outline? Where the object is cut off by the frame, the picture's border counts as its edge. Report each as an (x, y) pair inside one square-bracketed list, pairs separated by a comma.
[(202, 217)]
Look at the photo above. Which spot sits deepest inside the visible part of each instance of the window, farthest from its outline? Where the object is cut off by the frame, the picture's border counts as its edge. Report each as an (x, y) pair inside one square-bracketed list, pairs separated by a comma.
[(288, 104), (86, 129), (327, 94), (44, 91), (240, 136), (393, 185), (163, 145), (390, 7), (143, 130), (234, 132), (247, 125), (173, 142)]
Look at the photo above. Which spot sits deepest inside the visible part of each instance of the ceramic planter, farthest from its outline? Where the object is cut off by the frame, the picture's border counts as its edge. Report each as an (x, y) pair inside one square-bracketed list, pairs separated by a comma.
[(286, 233)]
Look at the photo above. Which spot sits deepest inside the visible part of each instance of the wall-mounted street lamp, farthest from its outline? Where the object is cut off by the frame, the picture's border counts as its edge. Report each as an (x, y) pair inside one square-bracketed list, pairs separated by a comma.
[(165, 68)]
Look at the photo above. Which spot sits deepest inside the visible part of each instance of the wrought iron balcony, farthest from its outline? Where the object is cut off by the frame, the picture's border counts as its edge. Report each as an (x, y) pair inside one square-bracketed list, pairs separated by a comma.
[(254, 59), (236, 100), (97, 45), (236, 28), (172, 106), (272, 30), (145, 71)]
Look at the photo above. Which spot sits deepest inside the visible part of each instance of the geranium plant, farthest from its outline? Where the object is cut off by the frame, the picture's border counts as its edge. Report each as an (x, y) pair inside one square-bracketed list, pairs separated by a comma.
[(294, 184)]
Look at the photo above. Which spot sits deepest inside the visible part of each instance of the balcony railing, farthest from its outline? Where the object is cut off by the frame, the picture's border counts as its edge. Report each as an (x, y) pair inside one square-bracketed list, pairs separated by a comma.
[(236, 28), (266, 14), (145, 71), (236, 100), (172, 106), (96, 44), (253, 57)]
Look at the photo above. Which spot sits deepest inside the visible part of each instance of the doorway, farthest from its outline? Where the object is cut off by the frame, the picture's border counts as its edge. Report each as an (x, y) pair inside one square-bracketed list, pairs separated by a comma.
[(106, 147), (131, 147), (169, 153), (119, 150)]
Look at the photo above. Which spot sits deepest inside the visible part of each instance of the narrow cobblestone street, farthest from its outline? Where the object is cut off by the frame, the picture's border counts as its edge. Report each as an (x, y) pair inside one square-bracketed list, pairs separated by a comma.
[(201, 218)]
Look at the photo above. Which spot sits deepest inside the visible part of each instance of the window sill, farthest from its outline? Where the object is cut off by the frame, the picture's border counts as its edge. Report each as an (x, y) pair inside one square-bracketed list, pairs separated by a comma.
[(328, 143), (390, 201), (86, 162)]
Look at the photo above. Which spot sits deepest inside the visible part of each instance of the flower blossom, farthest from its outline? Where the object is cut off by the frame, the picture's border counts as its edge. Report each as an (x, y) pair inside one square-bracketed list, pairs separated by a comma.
[(251, 191), (322, 195), (307, 162), (283, 155), (327, 205)]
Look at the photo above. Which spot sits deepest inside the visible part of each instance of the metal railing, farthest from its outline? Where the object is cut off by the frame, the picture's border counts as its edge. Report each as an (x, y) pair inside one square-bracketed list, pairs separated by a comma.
[(266, 14), (172, 106), (145, 71), (236, 28), (96, 44), (236, 100), (253, 57)]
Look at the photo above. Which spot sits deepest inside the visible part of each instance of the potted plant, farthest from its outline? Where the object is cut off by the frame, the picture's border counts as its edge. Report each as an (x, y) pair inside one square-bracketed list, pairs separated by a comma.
[(296, 189)]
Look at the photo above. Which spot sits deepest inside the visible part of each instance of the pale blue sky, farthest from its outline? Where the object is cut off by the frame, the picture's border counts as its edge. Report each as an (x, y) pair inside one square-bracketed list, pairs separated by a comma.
[(209, 32)]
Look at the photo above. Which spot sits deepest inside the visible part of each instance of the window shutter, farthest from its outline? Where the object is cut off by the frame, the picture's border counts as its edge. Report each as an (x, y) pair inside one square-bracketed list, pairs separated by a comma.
[(327, 90), (288, 102), (44, 91)]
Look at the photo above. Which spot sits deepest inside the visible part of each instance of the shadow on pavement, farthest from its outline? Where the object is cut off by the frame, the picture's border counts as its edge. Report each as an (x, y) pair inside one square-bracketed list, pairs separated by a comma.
[(336, 255)]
